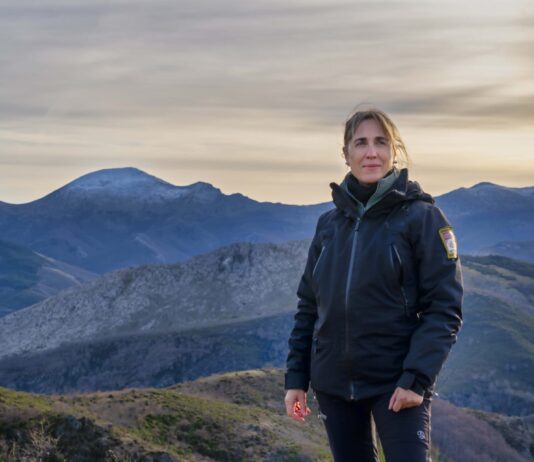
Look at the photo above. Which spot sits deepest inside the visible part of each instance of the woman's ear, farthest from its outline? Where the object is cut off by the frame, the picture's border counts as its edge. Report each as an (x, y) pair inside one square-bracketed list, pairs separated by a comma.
[(346, 155)]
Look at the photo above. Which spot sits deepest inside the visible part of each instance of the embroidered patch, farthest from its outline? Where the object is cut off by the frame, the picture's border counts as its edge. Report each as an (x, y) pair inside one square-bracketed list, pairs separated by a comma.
[(449, 242)]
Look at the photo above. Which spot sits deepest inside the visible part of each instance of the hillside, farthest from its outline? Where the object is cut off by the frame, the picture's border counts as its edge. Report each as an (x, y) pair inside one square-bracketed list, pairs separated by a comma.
[(162, 425), (473, 212), (492, 365), (519, 250), (235, 283), (27, 277), (229, 417), (232, 309), (150, 360)]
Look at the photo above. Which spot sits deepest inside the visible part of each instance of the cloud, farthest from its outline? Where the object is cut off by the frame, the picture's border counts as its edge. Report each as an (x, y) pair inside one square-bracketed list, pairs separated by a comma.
[(162, 59), (144, 79)]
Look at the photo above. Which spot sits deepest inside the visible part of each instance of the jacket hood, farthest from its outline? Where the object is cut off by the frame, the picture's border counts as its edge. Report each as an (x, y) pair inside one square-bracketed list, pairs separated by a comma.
[(402, 190)]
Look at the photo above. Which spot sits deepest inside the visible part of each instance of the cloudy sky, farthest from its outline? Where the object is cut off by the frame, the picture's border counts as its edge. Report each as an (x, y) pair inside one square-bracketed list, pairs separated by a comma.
[(252, 96)]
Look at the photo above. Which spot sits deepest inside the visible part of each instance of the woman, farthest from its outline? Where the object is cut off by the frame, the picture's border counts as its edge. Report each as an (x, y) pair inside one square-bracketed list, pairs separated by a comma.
[(379, 304)]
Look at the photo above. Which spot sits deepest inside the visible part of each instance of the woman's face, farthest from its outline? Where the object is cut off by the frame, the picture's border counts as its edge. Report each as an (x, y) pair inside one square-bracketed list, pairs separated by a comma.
[(369, 153)]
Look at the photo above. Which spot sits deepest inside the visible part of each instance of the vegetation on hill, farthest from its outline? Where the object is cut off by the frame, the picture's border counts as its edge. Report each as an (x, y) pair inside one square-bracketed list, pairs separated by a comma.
[(158, 425), (236, 416)]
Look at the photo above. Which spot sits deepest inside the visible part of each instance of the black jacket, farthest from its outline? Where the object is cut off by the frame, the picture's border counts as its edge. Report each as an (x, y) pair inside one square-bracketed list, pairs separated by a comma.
[(380, 297)]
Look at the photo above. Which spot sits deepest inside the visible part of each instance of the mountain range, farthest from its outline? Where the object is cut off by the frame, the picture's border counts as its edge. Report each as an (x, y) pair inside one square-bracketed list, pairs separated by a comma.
[(117, 218), (124, 217), (489, 216), (120, 280), (232, 309)]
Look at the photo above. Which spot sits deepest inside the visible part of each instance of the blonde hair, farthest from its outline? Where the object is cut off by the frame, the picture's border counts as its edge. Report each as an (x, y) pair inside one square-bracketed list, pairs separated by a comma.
[(390, 129)]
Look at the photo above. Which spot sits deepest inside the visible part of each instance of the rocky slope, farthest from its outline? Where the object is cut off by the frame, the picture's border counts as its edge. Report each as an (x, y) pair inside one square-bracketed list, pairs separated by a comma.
[(236, 283)]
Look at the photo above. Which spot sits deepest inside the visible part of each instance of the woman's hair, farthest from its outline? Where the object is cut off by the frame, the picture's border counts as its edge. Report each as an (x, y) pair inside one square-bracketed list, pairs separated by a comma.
[(390, 129)]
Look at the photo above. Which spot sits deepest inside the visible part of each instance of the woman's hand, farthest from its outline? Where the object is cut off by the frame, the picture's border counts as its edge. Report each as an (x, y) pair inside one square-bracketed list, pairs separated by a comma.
[(296, 406), (403, 398)]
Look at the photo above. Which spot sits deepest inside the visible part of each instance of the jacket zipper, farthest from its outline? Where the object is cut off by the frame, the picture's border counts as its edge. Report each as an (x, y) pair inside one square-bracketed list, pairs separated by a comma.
[(318, 260), (347, 290), (403, 292)]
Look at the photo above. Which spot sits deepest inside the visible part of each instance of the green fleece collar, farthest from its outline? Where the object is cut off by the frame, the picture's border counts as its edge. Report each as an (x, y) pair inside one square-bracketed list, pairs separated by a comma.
[(384, 184)]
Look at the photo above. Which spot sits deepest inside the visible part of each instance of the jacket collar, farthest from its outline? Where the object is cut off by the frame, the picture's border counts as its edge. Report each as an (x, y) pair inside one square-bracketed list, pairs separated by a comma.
[(383, 185), (391, 190)]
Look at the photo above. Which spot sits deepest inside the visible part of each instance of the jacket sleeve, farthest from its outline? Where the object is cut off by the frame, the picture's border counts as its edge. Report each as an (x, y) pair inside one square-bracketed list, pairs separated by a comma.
[(298, 360), (440, 295)]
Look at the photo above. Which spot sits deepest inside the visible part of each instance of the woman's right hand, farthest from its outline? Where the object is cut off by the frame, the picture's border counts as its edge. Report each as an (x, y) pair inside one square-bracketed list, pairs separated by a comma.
[(296, 406)]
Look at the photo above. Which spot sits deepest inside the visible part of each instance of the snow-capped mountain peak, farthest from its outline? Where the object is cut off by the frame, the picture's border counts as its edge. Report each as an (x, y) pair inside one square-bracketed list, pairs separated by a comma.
[(130, 182), (119, 179)]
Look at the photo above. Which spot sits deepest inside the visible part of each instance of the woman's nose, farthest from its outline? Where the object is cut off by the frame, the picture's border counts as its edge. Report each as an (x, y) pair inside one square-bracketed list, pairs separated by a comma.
[(371, 150)]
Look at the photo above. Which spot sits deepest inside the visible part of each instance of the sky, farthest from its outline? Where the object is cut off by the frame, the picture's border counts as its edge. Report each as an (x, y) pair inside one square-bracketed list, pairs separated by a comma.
[(251, 96)]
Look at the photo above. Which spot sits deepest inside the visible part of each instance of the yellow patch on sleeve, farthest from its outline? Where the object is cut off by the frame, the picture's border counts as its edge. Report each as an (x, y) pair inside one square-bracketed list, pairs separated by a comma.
[(449, 242)]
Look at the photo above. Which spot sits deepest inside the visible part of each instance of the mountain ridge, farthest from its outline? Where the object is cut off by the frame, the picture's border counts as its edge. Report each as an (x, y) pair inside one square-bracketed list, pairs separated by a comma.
[(134, 177), (101, 232), (99, 228), (184, 316), (163, 297), (124, 182)]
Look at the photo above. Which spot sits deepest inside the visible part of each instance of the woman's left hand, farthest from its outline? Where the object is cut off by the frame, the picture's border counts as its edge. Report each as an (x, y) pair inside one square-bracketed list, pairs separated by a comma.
[(403, 398)]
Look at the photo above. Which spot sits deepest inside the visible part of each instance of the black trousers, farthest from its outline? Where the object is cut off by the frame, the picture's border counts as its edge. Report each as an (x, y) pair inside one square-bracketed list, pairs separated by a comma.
[(350, 425)]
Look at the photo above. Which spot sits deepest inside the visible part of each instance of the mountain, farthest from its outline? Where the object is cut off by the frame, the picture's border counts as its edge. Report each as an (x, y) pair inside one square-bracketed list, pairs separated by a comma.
[(27, 277), (122, 217), (232, 309), (488, 214), (492, 364), (96, 221), (150, 359), (227, 417), (520, 250), (236, 283)]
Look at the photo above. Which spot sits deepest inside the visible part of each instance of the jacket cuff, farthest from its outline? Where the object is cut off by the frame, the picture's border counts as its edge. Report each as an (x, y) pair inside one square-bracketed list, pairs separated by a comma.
[(408, 381), (296, 381)]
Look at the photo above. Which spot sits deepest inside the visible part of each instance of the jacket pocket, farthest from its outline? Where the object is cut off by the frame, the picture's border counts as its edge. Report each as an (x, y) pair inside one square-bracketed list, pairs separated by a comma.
[(399, 277), (320, 361)]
